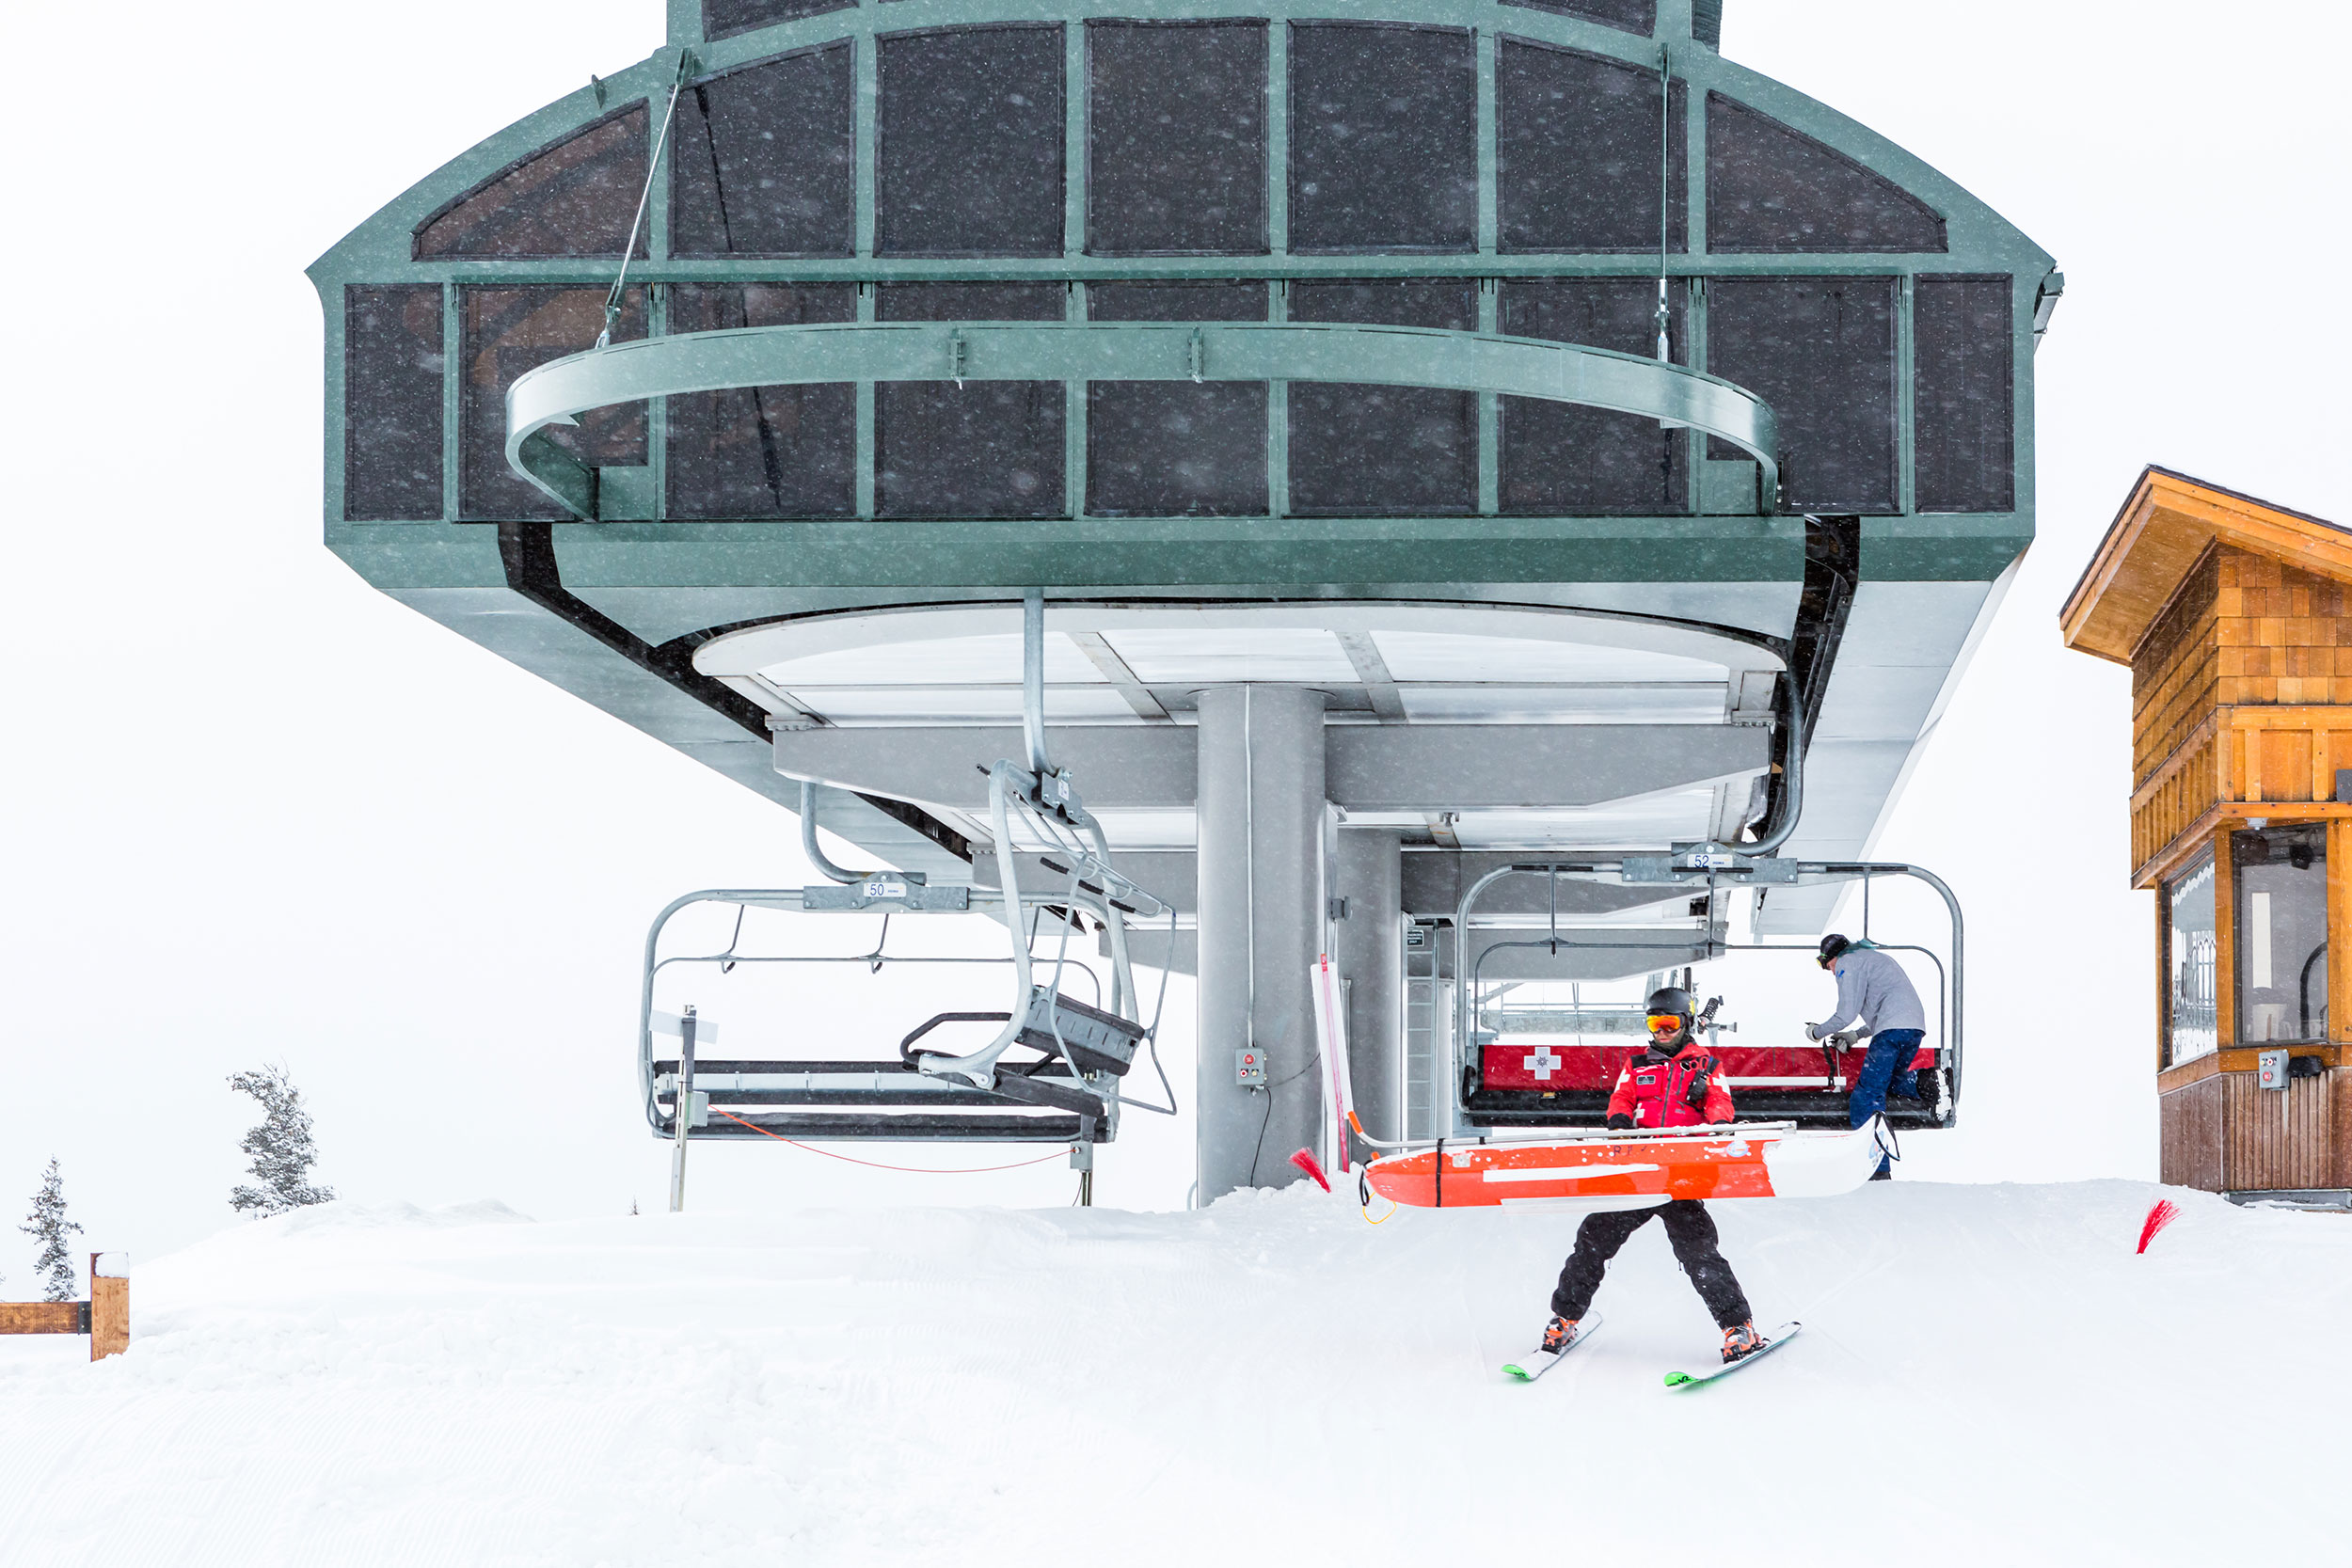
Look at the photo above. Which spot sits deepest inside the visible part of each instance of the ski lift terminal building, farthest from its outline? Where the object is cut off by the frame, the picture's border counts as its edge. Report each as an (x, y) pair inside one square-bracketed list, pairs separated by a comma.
[(1444, 435)]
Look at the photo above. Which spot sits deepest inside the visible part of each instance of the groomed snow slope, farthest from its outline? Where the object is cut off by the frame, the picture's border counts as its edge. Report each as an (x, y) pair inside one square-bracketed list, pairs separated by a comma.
[(1988, 1375)]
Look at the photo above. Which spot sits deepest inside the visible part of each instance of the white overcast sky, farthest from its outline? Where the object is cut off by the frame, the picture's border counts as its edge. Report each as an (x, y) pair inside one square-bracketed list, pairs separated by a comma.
[(254, 810)]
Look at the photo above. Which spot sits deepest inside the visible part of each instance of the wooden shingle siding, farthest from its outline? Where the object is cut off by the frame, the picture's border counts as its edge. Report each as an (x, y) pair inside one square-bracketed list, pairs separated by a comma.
[(2174, 672), (2227, 1133), (2189, 1135), (2241, 698), (2275, 1139)]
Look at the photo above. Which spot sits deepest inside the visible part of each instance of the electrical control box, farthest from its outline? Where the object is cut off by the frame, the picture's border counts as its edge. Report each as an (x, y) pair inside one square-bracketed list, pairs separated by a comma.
[(1250, 1066), (2270, 1070)]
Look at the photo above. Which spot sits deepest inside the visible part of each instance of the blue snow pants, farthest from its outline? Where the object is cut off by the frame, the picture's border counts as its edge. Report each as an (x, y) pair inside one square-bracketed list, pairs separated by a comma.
[(1885, 1069)]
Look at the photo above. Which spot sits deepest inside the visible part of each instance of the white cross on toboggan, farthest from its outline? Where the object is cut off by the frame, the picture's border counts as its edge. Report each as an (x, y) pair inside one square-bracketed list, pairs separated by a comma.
[(1542, 1063)]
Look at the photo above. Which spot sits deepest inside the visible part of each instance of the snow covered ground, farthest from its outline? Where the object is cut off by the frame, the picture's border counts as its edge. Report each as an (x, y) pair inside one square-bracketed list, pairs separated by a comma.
[(1988, 1375)]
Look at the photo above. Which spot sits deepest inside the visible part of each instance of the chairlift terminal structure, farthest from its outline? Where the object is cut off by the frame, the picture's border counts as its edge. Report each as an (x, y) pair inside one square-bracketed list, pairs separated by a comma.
[(1441, 435)]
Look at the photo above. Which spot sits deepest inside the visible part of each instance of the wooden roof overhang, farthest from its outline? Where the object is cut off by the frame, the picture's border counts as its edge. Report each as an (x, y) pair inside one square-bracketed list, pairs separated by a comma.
[(2167, 523)]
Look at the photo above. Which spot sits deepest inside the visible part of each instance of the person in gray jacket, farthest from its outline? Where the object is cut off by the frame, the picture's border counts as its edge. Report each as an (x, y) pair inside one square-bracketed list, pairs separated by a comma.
[(1873, 990)]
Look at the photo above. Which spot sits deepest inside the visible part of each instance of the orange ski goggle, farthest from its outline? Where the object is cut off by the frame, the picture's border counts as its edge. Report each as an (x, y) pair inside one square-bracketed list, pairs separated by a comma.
[(1664, 1021)]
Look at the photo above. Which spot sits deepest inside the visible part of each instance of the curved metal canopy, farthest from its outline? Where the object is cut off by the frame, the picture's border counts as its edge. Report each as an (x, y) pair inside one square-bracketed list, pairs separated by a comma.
[(691, 362)]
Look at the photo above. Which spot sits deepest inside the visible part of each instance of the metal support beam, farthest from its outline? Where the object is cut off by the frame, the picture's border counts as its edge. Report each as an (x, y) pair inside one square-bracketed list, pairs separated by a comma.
[(1370, 942), (1385, 768), (1261, 913)]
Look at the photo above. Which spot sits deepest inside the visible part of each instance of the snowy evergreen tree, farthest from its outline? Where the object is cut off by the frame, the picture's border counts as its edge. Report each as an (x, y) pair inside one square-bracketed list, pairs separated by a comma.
[(48, 1226), (280, 1146)]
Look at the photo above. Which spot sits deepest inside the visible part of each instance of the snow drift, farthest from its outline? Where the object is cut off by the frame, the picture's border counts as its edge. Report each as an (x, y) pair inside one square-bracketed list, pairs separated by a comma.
[(1987, 1375)]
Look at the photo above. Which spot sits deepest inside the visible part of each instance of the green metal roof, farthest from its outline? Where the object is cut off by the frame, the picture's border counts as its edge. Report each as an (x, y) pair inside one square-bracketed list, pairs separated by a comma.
[(612, 610)]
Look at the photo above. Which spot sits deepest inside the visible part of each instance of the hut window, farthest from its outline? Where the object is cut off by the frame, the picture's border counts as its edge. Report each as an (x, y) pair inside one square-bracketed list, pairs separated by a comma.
[(971, 142), (724, 19), (1770, 187), (762, 451), (1176, 139), (1822, 351), (2282, 877), (1173, 447), (760, 160), (1383, 451), (1962, 375), (2190, 950), (1577, 152), (1627, 16), (392, 403), (506, 332), (573, 199), (1561, 459), (987, 449), (1384, 137)]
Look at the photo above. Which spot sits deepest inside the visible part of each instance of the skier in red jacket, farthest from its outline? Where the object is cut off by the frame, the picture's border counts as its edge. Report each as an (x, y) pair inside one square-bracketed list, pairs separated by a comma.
[(1673, 1084)]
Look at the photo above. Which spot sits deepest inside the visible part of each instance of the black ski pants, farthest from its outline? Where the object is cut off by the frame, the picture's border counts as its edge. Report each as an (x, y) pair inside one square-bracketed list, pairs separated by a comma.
[(1691, 1231)]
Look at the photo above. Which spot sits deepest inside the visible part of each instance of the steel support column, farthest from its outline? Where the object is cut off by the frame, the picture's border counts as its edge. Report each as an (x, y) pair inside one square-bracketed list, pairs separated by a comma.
[(1262, 918), (1371, 957)]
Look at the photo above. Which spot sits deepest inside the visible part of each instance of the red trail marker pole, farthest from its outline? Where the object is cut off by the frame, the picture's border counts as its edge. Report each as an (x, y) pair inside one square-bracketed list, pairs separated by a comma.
[(2161, 1213)]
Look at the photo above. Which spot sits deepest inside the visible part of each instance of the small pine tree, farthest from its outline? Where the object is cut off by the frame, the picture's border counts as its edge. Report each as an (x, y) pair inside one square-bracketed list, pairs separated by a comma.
[(48, 1226), (280, 1146)]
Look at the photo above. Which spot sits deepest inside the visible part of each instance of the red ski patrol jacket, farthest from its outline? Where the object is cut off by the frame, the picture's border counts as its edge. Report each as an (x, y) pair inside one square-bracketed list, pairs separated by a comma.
[(1656, 1092)]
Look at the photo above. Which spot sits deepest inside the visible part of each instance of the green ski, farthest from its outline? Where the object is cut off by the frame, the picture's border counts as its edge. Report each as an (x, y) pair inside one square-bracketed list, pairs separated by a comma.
[(1540, 1361), (1772, 1342)]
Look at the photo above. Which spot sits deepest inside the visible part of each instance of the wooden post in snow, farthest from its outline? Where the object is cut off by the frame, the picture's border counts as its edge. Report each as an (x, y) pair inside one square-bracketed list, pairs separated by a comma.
[(105, 1317), (109, 1325)]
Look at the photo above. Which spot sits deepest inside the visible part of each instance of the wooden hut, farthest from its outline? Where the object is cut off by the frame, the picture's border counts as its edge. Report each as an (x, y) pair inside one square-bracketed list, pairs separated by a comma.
[(2237, 620)]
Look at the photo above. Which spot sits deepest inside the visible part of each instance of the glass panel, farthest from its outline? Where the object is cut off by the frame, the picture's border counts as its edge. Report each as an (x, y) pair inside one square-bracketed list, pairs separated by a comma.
[(1822, 352), (1383, 450), (1170, 656), (2191, 958), (574, 198), (1772, 188), (724, 19), (971, 142), (1440, 656), (959, 705), (1384, 137), (987, 449), (762, 451), (987, 659), (1646, 821), (2281, 931), (1629, 16), (1576, 154), (506, 332), (1173, 447), (1562, 460), (1537, 704), (1963, 379), (392, 364), (761, 160), (1176, 139)]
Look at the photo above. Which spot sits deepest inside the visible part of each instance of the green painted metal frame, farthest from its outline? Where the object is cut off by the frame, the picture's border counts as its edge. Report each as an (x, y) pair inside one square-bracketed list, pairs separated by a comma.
[(1079, 353), (1979, 241), (669, 582)]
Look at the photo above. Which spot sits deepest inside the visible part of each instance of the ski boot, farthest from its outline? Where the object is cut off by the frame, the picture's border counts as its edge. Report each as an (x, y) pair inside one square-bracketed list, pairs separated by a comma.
[(1741, 1342), (1559, 1335)]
